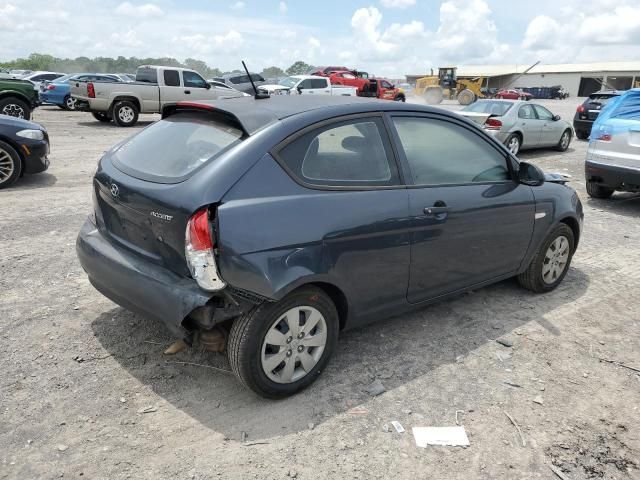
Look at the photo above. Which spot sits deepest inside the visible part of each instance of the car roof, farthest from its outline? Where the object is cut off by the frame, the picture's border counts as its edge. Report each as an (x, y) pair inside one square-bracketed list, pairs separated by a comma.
[(607, 92), (237, 74), (255, 114)]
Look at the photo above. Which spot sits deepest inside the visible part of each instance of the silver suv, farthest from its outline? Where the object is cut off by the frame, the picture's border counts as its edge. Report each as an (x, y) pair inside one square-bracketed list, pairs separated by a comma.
[(240, 81)]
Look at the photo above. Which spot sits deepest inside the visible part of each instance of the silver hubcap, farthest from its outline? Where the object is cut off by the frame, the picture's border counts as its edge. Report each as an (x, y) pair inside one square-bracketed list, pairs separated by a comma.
[(6, 166), (71, 103), (514, 145), (555, 260), (564, 142), (13, 110), (294, 344), (126, 114)]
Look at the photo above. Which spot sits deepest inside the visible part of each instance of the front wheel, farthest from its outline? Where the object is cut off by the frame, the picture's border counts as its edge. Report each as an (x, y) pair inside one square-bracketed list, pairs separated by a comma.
[(14, 107), (10, 165), (564, 141), (551, 262), (69, 103), (125, 113), (277, 349), (513, 143), (101, 117)]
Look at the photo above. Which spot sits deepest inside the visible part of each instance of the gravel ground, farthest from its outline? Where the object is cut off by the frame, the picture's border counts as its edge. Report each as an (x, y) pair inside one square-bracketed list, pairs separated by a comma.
[(78, 372)]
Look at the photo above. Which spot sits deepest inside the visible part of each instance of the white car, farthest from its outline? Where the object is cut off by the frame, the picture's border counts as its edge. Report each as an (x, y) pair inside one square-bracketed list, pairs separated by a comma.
[(307, 85), (38, 77)]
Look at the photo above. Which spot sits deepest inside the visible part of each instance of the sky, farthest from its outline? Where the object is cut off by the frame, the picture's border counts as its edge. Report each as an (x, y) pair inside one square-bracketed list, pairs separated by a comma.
[(384, 37)]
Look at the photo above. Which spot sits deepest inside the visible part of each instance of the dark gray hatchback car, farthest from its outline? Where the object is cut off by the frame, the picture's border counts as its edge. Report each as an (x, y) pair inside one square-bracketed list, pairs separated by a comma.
[(283, 221)]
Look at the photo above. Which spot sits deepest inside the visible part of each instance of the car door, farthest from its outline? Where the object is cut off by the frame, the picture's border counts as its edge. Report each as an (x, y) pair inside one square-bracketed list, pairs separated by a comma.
[(550, 129), (197, 87), (530, 126), (387, 90), (305, 87), (471, 222), (171, 89), (320, 86), (360, 208)]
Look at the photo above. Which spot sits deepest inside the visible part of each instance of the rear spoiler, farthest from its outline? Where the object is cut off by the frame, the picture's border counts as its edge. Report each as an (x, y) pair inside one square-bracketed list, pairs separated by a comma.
[(249, 124)]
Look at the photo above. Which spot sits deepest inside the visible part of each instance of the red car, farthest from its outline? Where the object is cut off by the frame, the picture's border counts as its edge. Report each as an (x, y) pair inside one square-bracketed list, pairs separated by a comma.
[(368, 87), (325, 71), (514, 94)]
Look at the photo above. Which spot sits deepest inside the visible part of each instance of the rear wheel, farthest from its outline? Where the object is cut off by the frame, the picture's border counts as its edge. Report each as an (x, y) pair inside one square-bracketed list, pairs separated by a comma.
[(564, 141), (125, 113), (551, 263), (400, 98), (277, 349), (433, 95), (69, 103), (15, 107), (10, 165), (582, 135), (598, 191), (466, 97), (513, 143), (101, 117)]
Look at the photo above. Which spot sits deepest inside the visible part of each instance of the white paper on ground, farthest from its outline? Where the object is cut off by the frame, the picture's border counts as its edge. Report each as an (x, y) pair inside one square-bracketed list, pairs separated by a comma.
[(448, 436), (399, 428)]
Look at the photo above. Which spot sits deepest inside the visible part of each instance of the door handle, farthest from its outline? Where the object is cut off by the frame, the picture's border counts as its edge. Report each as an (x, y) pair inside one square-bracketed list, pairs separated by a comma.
[(188, 92), (433, 211)]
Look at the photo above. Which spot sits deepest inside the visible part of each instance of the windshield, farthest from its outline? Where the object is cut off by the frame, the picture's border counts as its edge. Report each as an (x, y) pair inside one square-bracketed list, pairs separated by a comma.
[(601, 98), (169, 150), (288, 82), (64, 78), (489, 106)]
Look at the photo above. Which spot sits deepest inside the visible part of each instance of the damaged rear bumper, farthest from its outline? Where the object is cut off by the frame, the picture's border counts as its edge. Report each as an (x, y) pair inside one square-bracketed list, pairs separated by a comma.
[(149, 289)]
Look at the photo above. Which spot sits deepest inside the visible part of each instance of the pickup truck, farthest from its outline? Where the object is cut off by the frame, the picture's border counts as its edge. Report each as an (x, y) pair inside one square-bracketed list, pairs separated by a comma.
[(155, 87), (368, 87), (307, 85), (17, 98)]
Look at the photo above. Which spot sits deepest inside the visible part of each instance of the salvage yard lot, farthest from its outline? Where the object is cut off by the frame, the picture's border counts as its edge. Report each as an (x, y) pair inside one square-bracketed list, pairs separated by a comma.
[(85, 389)]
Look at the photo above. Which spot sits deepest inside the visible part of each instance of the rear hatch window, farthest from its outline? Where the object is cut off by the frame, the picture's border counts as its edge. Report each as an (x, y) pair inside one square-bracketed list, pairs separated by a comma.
[(492, 107), (595, 103), (169, 151)]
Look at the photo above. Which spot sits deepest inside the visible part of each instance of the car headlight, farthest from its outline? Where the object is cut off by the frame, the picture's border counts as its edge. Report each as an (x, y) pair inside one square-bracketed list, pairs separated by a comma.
[(32, 134)]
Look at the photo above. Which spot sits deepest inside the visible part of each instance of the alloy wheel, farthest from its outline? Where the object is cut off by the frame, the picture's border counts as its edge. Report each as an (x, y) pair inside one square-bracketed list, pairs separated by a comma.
[(6, 166), (70, 103), (126, 114), (13, 110), (555, 260), (294, 344), (564, 141), (514, 145)]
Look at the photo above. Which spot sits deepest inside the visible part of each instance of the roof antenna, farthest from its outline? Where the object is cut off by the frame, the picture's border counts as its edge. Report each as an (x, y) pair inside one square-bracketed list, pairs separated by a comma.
[(257, 96)]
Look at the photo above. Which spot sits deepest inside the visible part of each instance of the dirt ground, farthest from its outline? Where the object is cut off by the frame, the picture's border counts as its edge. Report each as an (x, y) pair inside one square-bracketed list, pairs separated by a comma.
[(78, 371)]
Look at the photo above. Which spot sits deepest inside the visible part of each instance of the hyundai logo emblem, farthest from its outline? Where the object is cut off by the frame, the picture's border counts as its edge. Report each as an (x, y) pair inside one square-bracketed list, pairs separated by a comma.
[(115, 191)]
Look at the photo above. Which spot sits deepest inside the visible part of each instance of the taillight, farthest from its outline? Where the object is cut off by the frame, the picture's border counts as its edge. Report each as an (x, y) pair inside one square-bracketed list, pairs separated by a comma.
[(493, 124), (51, 87), (580, 109), (91, 91), (199, 245), (603, 137)]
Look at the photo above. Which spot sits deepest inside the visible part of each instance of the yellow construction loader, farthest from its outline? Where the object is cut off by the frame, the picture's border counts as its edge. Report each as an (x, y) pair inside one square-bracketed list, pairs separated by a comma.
[(447, 85)]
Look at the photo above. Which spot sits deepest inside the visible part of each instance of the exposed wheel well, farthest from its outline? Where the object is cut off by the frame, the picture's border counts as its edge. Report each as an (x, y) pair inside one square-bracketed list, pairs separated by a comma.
[(339, 299), (133, 100), (572, 223)]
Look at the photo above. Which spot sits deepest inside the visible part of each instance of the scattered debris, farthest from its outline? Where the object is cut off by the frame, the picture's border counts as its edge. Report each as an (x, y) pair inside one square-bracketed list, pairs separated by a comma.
[(292, 473), (150, 409), (524, 443), (243, 436), (123, 400), (62, 447), (399, 428), (558, 472), (376, 388), (613, 362), (444, 436), (152, 343), (175, 347), (457, 412), (214, 340), (311, 425), (512, 384), (385, 428), (358, 411), (505, 342), (201, 365), (538, 400), (251, 444)]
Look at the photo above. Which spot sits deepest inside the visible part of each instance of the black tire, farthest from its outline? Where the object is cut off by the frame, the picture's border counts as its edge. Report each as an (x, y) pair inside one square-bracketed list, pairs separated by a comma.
[(598, 191), (561, 147), (400, 98), (466, 97), (531, 278), (101, 117), (15, 107), (244, 348), (125, 113), (69, 103), (582, 135), (511, 139), (11, 162)]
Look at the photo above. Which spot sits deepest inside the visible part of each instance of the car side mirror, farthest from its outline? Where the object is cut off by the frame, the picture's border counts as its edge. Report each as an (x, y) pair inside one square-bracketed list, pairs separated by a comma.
[(207, 86), (299, 89), (556, 118), (531, 175)]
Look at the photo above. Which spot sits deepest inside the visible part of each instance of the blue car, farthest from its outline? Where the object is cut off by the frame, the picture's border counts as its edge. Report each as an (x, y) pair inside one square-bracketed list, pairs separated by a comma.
[(285, 220), (58, 92)]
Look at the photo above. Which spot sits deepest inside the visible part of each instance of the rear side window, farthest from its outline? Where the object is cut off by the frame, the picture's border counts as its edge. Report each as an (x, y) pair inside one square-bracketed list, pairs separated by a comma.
[(526, 111), (147, 75), (239, 79), (318, 83), (171, 78), (170, 150), (350, 153), (440, 153)]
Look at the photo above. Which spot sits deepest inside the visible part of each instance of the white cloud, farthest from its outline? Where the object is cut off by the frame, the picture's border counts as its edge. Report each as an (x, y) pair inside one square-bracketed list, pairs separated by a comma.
[(141, 11), (543, 32), (238, 6), (397, 3), (283, 8), (620, 26), (231, 40), (314, 42)]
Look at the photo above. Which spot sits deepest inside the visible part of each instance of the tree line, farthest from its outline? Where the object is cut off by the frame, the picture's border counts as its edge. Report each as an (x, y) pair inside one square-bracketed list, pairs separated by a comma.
[(39, 61)]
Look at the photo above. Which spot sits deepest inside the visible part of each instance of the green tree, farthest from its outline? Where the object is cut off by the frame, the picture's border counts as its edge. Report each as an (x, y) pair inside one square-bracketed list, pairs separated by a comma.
[(273, 72), (299, 68)]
